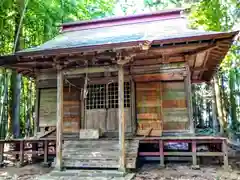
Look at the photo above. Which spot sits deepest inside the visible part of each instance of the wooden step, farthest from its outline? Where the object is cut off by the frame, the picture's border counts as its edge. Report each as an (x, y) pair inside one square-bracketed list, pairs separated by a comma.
[(98, 154), (90, 163), (102, 149), (112, 145)]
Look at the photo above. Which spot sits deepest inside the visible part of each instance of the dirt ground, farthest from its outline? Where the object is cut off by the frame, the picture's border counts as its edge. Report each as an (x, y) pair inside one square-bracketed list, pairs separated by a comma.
[(184, 172), (173, 171)]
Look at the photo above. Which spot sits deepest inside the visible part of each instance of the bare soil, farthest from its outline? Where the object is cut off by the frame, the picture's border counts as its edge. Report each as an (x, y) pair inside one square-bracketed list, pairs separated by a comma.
[(173, 171), (184, 172)]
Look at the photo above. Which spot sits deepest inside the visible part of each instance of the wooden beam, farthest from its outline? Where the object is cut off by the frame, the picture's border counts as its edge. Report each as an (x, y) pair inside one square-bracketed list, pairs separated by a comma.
[(205, 62), (121, 119), (199, 69), (159, 68), (188, 87), (168, 50), (89, 70), (59, 139), (203, 49), (159, 77), (155, 60)]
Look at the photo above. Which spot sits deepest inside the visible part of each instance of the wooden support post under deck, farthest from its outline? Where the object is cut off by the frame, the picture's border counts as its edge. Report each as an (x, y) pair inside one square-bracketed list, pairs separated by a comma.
[(1, 153), (45, 152), (59, 135), (133, 106), (225, 152), (188, 86), (161, 147), (122, 158), (194, 154), (21, 154)]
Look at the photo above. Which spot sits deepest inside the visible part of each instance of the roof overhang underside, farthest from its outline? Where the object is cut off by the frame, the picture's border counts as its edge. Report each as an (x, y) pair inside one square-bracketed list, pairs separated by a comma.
[(148, 43)]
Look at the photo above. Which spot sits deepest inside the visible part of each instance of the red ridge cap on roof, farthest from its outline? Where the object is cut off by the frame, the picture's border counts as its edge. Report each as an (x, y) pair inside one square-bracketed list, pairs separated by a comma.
[(114, 21)]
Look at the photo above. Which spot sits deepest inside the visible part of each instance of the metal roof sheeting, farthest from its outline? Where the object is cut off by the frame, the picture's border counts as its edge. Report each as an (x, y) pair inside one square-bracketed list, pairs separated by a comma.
[(144, 31)]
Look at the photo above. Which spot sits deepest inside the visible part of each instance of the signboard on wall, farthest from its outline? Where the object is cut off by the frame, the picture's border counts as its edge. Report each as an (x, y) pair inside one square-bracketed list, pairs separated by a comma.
[(48, 107)]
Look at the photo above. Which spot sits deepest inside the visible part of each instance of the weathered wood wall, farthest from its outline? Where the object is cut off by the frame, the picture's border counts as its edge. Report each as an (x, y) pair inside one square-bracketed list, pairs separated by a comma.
[(161, 106), (149, 108), (71, 107), (175, 116), (47, 107), (107, 119)]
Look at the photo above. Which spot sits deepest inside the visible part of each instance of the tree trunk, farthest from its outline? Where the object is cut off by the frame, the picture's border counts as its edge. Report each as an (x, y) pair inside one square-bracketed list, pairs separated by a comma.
[(16, 78), (233, 108), (221, 119)]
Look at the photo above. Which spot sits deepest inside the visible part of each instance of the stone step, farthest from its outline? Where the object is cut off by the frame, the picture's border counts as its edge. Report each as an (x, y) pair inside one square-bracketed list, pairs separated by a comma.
[(88, 173), (80, 177)]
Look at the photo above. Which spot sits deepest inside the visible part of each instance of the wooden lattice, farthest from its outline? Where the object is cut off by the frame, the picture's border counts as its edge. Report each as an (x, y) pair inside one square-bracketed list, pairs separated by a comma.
[(101, 96)]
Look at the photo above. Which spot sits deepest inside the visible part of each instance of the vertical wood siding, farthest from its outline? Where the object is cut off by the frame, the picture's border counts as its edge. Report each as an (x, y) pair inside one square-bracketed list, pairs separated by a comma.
[(98, 118), (47, 107), (71, 108)]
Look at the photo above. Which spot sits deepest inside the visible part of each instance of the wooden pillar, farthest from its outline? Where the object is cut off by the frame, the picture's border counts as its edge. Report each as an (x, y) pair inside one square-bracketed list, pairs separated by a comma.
[(122, 158), (36, 120), (188, 87), (133, 106), (37, 103), (59, 126), (214, 110)]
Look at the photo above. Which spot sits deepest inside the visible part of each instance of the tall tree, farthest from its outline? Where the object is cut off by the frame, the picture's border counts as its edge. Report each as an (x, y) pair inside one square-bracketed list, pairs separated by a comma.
[(40, 23), (221, 15)]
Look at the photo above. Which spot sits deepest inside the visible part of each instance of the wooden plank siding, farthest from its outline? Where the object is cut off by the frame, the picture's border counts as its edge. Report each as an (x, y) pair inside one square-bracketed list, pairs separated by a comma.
[(161, 106), (175, 113), (149, 108), (98, 118), (71, 108)]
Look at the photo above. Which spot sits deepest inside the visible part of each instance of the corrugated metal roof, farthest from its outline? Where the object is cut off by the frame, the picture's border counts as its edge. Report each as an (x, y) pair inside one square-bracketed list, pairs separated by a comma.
[(144, 31)]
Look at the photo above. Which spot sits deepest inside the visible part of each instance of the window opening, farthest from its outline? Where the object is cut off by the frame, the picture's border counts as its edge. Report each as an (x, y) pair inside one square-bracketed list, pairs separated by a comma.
[(97, 96)]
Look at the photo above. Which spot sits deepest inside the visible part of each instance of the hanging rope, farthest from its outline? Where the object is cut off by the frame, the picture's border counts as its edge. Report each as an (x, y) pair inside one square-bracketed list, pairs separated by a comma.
[(85, 92)]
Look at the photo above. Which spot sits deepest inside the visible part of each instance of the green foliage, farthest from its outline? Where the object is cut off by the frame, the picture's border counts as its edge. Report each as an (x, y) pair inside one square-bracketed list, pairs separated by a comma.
[(166, 4), (223, 15), (41, 22)]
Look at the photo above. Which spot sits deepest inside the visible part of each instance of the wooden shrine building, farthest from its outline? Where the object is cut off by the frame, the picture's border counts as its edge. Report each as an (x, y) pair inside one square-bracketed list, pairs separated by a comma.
[(124, 76)]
